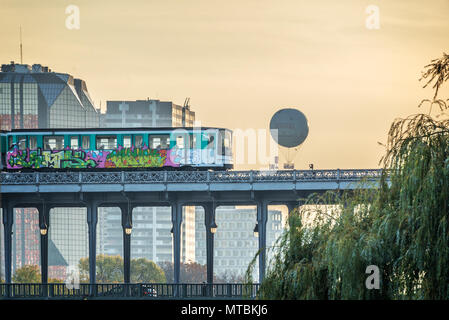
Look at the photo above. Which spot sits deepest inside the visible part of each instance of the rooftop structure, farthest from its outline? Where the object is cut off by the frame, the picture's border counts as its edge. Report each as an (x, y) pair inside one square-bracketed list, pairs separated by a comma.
[(35, 97)]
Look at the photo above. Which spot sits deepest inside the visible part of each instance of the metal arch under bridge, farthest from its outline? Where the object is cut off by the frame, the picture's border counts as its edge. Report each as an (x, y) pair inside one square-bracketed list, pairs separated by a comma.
[(130, 189)]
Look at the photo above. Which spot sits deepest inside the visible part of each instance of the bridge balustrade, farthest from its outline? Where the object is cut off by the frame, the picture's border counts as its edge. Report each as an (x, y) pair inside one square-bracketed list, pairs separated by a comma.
[(109, 177), (128, 290)]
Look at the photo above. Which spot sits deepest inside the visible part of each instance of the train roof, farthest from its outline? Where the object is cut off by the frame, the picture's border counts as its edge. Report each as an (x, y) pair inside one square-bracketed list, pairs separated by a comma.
[(112, 129)]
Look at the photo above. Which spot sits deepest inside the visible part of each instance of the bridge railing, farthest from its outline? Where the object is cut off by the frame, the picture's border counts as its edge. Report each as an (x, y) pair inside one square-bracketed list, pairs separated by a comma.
[(128, 291), (117, 177)]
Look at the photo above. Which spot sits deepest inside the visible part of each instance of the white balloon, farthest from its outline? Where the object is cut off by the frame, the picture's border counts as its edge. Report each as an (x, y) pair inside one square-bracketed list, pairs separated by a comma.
[(291, 125)]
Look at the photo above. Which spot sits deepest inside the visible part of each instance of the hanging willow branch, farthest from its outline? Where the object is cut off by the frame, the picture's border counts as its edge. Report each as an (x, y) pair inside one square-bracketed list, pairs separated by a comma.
[(405, 133), (437, 72), (402, 227)]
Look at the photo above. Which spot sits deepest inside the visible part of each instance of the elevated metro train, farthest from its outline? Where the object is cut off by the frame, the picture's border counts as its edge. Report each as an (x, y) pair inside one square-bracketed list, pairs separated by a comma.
[(116, 148)]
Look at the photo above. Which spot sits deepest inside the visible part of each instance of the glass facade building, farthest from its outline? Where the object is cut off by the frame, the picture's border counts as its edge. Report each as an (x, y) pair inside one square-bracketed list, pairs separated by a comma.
[(68, 232), (35, 97), (235, 244), (151, 237)]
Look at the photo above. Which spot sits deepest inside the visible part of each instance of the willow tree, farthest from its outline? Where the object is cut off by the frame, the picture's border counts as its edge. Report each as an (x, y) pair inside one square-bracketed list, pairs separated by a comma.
[(401, 226)]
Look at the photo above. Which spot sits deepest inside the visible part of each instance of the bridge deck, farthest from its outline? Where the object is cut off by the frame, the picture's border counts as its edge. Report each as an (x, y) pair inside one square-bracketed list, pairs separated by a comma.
[(178, 181)]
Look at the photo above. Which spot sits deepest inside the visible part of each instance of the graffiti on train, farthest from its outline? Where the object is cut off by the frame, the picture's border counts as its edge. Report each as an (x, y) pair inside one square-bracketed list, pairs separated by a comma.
[(132, 157), (82, 159)]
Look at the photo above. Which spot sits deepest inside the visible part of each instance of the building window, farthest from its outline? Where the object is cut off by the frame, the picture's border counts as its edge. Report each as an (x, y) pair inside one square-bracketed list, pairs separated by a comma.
[(106, 142)]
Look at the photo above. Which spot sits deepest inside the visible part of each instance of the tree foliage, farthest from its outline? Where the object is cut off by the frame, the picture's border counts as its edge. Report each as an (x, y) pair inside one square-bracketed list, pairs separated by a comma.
[(401, 226), (30, 274), (110, 270), (229, 277), (190, 272), (146, 271), (27, 274)]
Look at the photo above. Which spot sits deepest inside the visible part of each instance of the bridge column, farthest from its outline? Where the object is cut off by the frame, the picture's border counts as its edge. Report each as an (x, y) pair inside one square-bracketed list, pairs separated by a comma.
[(176, 215), (8, 220), (44, 224), (209, 221), (291, 205), (127, 229), (92, 219), (262, 218)]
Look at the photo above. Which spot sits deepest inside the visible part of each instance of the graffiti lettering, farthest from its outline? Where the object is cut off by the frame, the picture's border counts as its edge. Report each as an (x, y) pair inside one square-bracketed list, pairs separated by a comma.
[(36, 159), (81, 159), (137, 158), (193, 156)]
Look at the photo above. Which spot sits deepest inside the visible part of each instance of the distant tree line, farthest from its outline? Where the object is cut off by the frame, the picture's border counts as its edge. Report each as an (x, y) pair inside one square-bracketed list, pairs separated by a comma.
[(193, 272), (109, 269)]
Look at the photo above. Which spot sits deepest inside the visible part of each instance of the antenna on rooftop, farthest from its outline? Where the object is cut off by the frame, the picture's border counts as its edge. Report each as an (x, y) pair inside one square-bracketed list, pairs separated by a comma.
[(21, 55), (187, 103)]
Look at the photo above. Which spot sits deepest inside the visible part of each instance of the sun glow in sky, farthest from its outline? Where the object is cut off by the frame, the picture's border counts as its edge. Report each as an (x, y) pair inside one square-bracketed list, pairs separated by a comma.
[(239, 61)]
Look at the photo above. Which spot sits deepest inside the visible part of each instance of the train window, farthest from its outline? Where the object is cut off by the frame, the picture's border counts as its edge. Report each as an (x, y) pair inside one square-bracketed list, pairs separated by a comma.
[(10, 143), (33, 143), (159, 141), (74, 143), (106, 142), (138, 140), (155, 143), (127, 141), (180, 142), (54, 143), (22, 143), (227, 139), (210, 141), (86, 142)]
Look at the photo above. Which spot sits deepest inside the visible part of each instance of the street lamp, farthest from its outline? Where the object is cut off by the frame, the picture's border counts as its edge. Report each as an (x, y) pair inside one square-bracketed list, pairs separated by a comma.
[(256, 230), (43, 227), (128, 226), (213, 228), (43, 230)]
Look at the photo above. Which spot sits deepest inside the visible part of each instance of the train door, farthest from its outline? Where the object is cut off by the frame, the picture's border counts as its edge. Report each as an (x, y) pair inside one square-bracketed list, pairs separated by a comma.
[(209, 143), (180, 143), (224, 152), (2, 150)]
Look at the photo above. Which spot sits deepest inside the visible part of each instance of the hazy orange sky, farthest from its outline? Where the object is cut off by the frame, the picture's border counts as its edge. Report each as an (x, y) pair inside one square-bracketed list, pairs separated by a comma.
[(240, 61)]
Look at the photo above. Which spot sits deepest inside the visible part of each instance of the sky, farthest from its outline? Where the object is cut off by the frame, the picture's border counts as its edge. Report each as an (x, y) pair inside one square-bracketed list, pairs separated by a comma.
[(240, 61)]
